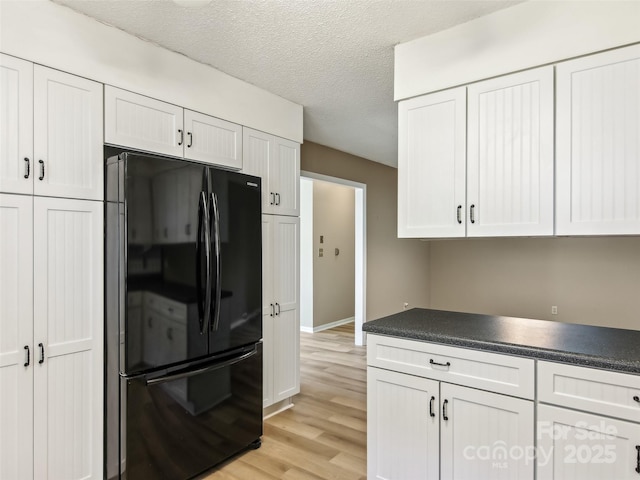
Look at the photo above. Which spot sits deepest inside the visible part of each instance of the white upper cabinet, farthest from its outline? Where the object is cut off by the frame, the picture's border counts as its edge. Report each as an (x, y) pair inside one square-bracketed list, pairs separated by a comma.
[(16, 125), (510, 155), (286, 178), (431, 165), (212, 140), (143, 123), (67, 135), (598, 154), (477, 161), (277, 161), (52, 137)]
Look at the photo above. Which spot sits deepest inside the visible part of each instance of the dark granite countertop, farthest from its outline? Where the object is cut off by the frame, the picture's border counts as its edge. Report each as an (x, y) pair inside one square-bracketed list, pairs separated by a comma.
[(584, 345)]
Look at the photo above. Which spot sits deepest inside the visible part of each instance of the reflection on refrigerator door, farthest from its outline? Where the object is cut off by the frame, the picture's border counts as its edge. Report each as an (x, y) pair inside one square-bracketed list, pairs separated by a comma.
[(180, 423)]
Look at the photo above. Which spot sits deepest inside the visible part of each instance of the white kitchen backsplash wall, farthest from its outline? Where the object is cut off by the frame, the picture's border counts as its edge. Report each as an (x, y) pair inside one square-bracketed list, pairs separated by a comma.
[(593, 281)]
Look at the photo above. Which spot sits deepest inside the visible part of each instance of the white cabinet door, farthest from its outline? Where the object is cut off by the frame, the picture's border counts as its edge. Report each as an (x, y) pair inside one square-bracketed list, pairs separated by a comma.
[(432, 165), (16, 125), (16, 336), (485, 435), (403, 438), (68, 332), (257, 152), (286, 320), (285, 178), (277, 162), (68, 139), (510, 155), (574, 445), (211, 140), (143, 123), (598, 156), (280, 312), (268, 310)]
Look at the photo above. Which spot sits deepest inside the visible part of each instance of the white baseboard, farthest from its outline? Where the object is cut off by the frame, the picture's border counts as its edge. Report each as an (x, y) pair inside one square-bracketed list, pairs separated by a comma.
[(327, 326)]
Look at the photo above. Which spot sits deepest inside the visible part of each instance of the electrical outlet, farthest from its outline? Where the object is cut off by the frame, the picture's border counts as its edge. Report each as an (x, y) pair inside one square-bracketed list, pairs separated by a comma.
[(554, 310), (321, 252)]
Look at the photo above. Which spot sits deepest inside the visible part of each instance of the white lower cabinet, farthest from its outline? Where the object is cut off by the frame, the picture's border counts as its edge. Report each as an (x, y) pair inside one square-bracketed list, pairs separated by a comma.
[(574, 445), (422, 428), (281, 312), (403, 426), (51, 360), (431, 414), (485, 435)]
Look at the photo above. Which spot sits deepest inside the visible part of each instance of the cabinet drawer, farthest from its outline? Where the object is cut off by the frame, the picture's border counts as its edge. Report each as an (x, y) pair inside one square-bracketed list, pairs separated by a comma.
[(176, 311), (590, 389), (473, 368)]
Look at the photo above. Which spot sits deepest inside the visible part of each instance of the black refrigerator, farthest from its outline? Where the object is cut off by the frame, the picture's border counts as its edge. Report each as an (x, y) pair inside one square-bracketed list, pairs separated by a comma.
[(183, 320)]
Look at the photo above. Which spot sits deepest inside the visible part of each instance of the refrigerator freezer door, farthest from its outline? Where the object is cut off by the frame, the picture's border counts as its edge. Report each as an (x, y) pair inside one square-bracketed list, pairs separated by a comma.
[(183, 424)]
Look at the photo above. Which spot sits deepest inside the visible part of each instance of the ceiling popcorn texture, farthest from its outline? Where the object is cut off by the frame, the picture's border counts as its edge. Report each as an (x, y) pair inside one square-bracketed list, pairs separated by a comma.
[(334, 57)]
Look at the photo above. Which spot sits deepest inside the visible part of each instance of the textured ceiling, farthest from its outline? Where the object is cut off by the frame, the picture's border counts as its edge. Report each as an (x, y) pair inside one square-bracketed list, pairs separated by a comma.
[(334, 57)]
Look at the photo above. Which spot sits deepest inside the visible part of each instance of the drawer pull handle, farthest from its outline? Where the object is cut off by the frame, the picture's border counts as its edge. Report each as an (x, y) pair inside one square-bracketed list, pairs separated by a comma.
[(459, 214), (28, 361), (444, 410), (636, 398), (638, 459), (41, 177), (27, 167), (41, 361), (472, 213), (431, 407), (448, 364)]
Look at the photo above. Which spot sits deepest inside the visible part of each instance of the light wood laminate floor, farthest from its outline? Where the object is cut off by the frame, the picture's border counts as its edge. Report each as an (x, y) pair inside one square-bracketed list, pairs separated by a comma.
[(324, 435)]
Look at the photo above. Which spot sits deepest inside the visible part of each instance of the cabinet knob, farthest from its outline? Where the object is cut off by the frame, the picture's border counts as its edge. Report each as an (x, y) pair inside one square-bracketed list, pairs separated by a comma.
[(636, 398)]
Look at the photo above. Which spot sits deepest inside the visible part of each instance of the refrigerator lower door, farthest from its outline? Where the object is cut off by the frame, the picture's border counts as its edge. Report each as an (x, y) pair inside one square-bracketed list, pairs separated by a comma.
[(186, 422)]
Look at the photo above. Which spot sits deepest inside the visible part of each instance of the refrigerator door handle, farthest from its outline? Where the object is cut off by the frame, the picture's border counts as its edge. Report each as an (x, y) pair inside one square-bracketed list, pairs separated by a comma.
[(216, 250), (199, 371), (199, 266), (207, 253)]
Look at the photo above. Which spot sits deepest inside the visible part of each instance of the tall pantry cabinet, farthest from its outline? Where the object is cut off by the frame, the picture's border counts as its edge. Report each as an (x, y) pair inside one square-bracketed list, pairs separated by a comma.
[(51, 273), (277, 162)]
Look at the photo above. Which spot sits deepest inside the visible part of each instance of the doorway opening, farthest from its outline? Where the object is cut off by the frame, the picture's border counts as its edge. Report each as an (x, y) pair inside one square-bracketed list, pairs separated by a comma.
[(319, 245)]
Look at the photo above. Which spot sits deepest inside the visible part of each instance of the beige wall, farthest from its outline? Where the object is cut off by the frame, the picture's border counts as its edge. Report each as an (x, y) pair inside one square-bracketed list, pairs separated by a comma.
[(397, 269), (333, 275), (591, 280)]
